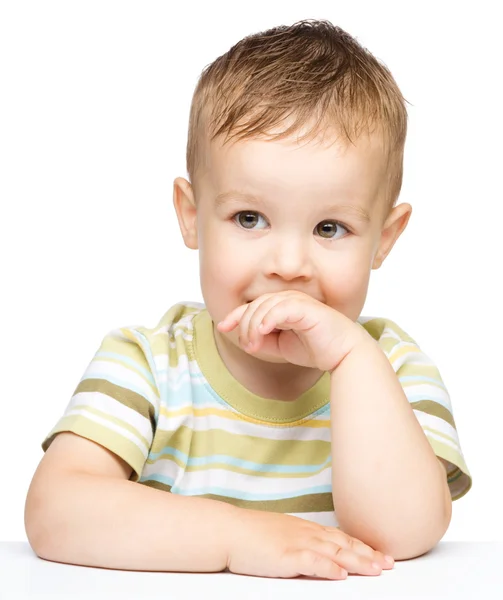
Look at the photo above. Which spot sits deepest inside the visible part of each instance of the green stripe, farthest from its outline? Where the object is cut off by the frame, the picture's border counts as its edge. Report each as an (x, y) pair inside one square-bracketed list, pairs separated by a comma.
[(376, 328), (199, 444), (426, 370), (434, 408), (142, 440), (122, 447), (130, 349), (125, 396)]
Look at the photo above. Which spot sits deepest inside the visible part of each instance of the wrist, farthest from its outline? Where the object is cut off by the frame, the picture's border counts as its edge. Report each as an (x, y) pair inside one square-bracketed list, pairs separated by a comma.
[(231, 527), (356, 338)]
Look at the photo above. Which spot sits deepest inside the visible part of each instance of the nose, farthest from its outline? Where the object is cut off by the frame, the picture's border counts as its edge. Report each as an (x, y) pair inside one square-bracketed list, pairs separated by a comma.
[(289, 258)]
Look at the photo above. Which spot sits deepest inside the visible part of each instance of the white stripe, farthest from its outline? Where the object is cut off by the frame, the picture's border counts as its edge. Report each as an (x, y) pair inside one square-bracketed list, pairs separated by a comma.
[(407, 358), (221, 477), (327, 519), (111, 426), (443, 441), (422, 360), (171, 371), (125, 377), (114, 408), (240, 428), (389, 334), (433, 422), (430, 392), (362, 319)]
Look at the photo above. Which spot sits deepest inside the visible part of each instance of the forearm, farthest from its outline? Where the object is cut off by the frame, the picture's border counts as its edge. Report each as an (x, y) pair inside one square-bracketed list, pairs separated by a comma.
[(118, 524), (389, 489)]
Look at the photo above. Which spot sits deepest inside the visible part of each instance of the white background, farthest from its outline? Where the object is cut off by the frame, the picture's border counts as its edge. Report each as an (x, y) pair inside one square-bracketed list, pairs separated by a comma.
[(94, 108)]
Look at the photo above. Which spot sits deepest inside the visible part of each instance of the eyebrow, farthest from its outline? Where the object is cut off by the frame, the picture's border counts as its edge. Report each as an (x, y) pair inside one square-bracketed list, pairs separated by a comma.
[(235, 196)]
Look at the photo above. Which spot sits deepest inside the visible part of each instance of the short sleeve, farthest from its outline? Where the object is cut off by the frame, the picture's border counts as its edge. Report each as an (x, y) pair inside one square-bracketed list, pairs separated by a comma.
[(116, 403), (430, 401), (428, 397)]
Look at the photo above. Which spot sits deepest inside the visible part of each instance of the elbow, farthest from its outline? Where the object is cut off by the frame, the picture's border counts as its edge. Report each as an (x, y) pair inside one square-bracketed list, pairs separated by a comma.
[(414, 547), (32, 526), (405, 542), (420, 540), (38, 521)]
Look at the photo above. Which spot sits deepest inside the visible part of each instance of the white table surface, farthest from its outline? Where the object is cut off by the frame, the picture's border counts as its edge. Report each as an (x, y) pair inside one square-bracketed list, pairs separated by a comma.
[(457, 570)]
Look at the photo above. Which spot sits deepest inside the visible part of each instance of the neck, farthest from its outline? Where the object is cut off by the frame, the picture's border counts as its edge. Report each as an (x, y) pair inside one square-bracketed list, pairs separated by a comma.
[(279, 381)]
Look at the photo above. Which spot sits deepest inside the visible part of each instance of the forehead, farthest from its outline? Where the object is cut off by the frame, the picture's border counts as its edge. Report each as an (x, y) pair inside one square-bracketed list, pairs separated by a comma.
[(285, 169)]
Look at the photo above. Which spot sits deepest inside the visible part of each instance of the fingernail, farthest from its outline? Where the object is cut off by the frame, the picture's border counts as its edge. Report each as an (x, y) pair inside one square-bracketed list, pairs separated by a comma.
[(376, 567), (389, 559)]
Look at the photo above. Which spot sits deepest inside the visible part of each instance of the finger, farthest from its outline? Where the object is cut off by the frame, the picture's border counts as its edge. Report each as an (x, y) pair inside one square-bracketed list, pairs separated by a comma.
[(346, 541), (244, 323), (283, 315), (232, 319), (254, 334), (312, 564), (349, 560)]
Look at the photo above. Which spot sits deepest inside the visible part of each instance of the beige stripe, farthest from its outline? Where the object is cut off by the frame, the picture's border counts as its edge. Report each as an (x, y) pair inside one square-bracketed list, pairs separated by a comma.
[(130, 349), (434, 408), (421, 369), (123, 395), (402, 350), (203, 443), (227, 414), (307, 503), (111, 440), (86, 408)]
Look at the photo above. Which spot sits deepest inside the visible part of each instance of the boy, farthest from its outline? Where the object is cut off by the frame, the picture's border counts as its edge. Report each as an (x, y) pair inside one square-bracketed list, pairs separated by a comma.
[(292, 435)]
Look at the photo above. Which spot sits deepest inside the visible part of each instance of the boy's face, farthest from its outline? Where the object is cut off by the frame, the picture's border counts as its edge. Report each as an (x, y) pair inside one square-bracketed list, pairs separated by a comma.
[(315, 225)]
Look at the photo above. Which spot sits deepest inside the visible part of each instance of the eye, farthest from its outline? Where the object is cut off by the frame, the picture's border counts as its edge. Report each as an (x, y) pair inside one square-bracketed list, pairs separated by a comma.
[(247, 218), (326, 228)]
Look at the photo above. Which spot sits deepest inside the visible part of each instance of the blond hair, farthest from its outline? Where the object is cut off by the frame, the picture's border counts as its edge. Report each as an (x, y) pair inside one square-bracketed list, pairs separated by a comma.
[(311, 70)]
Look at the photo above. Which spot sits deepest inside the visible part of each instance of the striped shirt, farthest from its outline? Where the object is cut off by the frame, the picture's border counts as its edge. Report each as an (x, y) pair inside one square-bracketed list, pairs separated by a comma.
[(163, 400)]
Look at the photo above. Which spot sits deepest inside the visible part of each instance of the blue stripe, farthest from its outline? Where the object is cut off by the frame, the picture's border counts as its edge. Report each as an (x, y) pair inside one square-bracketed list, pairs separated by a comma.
[(421, 397), (233, 493), (422, 378), (206, 461)]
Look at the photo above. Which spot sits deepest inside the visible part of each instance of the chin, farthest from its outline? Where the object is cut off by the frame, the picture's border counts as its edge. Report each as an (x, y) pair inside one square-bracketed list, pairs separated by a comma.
[(278, 360)]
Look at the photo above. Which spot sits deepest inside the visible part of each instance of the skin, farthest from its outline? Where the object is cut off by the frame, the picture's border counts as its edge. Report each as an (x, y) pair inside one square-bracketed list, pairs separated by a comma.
[(284, 278), (287, 239)]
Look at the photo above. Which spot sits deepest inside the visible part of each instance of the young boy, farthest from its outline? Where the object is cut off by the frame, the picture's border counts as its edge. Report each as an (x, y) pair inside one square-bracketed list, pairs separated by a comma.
[(273, 430)]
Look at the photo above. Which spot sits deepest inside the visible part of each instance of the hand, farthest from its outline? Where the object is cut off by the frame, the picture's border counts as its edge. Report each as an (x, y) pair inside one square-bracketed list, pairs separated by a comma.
[(296, 327), (268, 544)]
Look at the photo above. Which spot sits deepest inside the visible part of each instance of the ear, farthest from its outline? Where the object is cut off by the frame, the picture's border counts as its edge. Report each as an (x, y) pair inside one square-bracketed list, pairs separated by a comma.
[(186, 211), (393, 227)]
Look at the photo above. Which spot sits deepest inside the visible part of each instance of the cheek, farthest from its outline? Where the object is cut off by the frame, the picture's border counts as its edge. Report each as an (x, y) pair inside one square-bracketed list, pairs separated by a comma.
[(222, 279), (347, 286), (222, 268)]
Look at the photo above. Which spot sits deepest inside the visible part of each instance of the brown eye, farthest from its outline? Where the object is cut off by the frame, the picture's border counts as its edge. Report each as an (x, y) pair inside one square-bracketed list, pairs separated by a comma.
[(327, 229), (247, 219)]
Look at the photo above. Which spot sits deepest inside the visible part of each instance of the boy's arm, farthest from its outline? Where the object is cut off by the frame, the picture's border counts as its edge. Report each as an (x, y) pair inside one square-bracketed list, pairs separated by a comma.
[(81, 509), (389, 489)]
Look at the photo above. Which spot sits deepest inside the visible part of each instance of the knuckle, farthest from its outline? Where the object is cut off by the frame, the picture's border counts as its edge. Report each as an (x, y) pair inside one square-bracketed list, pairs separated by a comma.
[(308, 556)]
